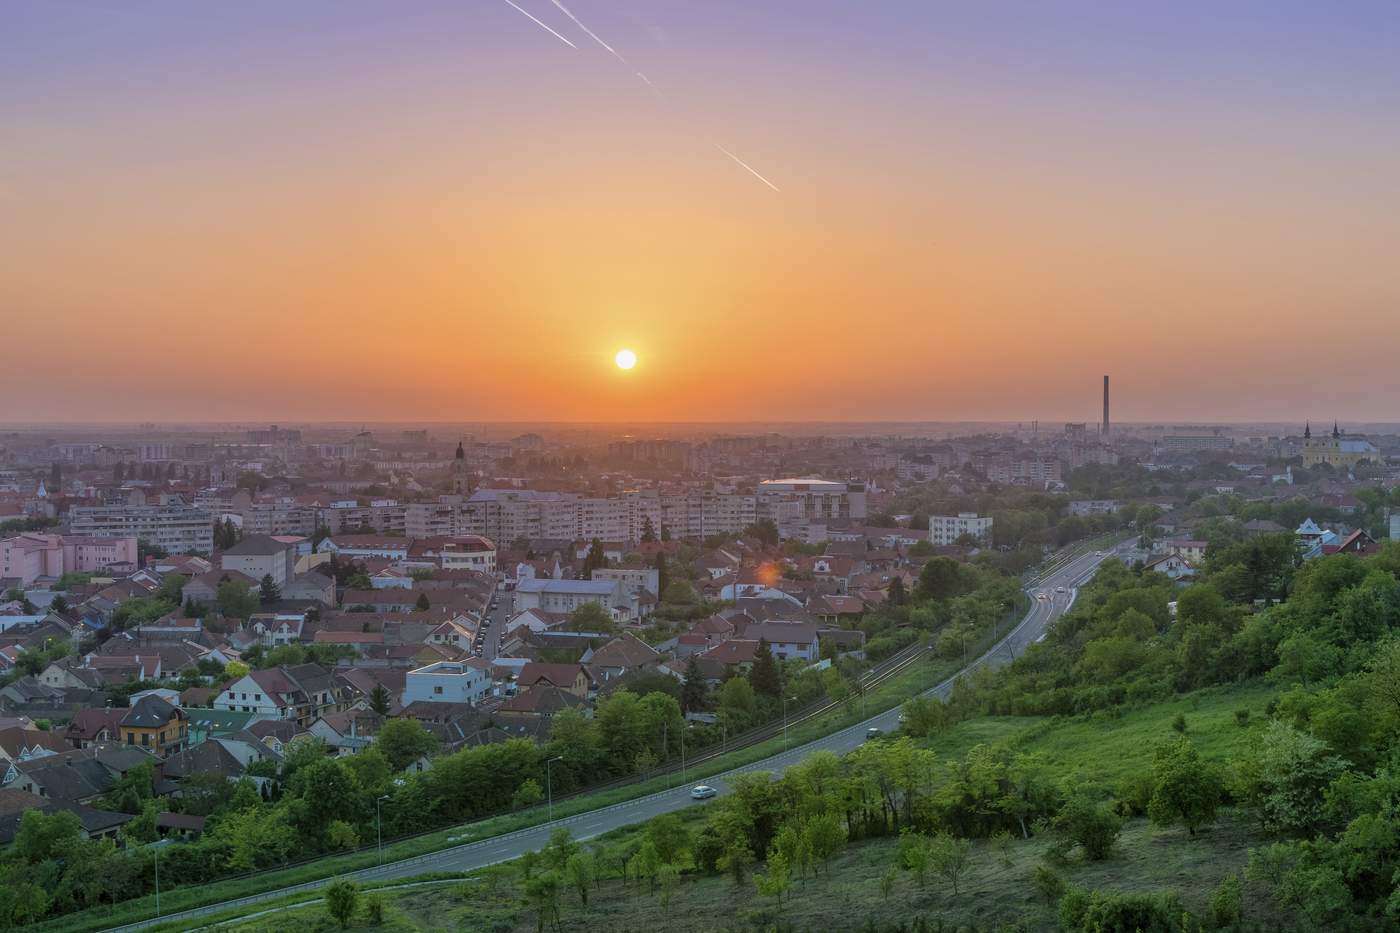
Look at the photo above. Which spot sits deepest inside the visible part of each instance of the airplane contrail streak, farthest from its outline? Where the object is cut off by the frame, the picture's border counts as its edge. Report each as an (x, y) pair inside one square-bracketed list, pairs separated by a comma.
[(748, 168), (647, 81), (539, 23)]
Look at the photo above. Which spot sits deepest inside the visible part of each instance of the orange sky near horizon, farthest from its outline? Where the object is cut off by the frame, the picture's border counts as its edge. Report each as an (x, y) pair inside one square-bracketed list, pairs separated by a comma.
[(473, 236)]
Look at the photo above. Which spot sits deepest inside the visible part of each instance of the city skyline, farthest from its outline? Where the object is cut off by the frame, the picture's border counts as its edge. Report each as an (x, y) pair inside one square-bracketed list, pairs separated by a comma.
[(343, 212)]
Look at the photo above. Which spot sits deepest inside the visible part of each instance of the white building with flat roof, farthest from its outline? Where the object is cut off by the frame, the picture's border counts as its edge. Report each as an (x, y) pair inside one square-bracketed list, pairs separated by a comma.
[(947, 529), (448, 682)]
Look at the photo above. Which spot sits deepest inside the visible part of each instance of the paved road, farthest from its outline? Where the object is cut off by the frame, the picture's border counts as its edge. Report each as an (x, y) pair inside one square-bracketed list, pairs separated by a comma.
[(1058, 586)]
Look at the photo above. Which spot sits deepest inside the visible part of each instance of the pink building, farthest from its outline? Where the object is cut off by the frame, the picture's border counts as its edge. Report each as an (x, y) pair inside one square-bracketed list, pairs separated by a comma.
[(30, 556)]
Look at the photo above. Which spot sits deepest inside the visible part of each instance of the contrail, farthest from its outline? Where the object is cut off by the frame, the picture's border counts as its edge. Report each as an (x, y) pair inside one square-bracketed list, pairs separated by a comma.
[(527, 14), (748, 168), (647, 81)]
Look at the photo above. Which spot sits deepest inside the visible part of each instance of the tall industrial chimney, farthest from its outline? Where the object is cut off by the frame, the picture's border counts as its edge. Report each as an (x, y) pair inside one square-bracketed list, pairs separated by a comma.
[(1105, 406)]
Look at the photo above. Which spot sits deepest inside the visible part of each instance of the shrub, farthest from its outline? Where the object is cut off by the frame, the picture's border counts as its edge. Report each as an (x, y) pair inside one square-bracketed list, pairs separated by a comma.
[(1226, 904), (1097, 911), (374, 909), (1241, 717), (1090, 824), (1179, 723), (1048, 883), (341, 899)]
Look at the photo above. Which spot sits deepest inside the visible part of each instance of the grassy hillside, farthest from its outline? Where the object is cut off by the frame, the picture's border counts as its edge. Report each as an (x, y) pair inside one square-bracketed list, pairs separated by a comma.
[(996, 892)]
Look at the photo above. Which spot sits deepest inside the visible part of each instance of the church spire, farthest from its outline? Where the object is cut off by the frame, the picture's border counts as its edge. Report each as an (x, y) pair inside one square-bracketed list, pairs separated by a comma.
[(1307, 429), (1335, 432), (461, 454)]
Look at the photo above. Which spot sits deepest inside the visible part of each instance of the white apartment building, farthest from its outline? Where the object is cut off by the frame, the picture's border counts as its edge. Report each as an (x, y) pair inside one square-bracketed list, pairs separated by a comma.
[(813, 498), (947, 529), (448, 682), (1094, 507), (633, 579), (568, 595), (178, 529)]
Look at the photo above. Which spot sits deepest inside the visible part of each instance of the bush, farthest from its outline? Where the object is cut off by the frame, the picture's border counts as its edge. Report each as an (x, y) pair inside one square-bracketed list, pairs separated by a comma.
[(1227, 903), (341, 899), (1135, 793), (1085, 822), (1241, 717), (1179, 723), (1048, 883), (1100, 911)]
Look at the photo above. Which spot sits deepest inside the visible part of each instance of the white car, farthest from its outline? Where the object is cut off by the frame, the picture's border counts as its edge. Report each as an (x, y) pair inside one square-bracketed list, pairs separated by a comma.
[(1059, 589), (702, 792), (874, 732)]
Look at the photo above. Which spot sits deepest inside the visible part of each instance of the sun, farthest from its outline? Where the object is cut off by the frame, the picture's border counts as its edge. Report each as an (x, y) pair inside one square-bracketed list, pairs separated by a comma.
[(625, 359)]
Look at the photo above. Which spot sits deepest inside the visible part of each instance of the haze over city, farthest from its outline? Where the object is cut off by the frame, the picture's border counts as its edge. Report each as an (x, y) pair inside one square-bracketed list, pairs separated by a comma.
[(331, 211)]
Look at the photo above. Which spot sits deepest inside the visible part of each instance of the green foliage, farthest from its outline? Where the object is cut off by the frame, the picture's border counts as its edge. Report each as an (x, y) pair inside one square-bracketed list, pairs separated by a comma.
[(1227, 903), (1098, 911), (764, 674), (1186, 789), (342, 898), (1089, 823), (1048, 883), (404, 741)]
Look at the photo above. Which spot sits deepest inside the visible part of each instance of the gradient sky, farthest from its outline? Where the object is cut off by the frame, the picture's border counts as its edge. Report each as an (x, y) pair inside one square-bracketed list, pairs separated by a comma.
[(330, 209)]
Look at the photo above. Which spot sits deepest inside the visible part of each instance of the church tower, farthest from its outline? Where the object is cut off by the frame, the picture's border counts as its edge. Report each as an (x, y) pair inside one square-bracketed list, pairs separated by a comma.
[(459, 471)]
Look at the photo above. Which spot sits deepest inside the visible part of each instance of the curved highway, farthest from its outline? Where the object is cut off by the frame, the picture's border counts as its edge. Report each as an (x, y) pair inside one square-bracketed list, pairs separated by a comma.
[(1051, 593)]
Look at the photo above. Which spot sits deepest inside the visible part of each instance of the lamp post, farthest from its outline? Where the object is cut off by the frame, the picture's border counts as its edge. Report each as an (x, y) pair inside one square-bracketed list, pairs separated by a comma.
[(785, 703), (378, 827), (157, 854), (549, 783)]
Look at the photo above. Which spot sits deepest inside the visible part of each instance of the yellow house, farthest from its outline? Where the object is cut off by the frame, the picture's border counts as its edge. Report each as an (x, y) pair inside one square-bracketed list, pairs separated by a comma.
[(154, 724)]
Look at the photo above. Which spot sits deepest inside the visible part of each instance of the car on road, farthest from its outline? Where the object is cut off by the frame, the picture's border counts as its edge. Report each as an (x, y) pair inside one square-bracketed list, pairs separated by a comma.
[(1059, 589), (874, 732), (702, 792), (1042, 595)]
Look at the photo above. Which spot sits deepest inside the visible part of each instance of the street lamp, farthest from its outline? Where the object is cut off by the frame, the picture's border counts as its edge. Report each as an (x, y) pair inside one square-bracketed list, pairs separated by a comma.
[(785, 703), (549, 784), (378, 827)]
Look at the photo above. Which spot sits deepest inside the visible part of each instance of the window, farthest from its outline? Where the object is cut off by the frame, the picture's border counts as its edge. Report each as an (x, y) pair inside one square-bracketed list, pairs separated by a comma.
[(437, 690)]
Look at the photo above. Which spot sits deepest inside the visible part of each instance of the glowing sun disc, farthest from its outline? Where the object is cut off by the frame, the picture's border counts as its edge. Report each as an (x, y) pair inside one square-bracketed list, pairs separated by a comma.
[(625, 359)]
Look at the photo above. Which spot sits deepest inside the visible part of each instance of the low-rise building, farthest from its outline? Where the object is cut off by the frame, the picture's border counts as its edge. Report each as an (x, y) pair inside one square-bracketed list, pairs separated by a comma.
[(949, 529), (448, 682)]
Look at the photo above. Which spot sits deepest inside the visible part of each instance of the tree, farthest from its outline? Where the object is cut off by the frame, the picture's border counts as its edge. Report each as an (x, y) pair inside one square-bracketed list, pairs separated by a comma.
[(648, 531), (663, 573), (580, 871), (738, 706), (596, 559), (55, 476), (269, 591), (1084, 821), (379, 700), (896, 595), (342, 897), (914, 855), (693, 689), (1284, 778), (1186, 790), (422, 605), (826, 834), (528, 794), (777, 879), (948, 857), (591, 617), (542, 894), (943, 578), (404, 741), (765, 530), (235, 600), (764, 673)]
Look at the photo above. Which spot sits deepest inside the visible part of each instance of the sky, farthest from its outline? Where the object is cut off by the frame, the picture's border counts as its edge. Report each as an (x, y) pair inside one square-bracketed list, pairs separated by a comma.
[(343, 210)]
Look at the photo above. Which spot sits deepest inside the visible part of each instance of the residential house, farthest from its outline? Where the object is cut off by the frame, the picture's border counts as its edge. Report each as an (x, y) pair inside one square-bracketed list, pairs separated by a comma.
[(448, 682), (300, 693), (259, 556), (154, 724), (571, 678)]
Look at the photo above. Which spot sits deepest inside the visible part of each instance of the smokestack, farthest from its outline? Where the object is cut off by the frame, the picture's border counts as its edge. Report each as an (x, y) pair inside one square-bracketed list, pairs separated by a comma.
[(1105, 406)]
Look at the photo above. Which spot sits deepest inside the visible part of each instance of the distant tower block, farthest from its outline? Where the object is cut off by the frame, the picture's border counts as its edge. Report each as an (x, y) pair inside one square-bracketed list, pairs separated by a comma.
[(1105, 406)]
